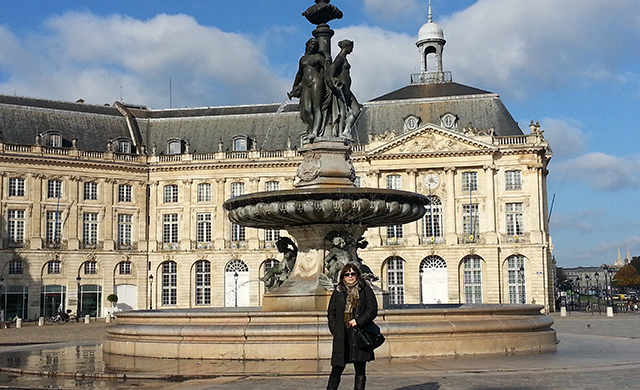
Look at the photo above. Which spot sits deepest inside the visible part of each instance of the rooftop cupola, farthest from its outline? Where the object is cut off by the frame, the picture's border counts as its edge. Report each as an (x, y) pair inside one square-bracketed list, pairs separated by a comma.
[(431, 45)]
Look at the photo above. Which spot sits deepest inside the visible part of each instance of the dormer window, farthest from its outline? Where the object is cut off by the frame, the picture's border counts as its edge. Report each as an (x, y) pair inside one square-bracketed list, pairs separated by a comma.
[(52, 138), (449, 121), (123, 146), (175, 146), (411, 123), (240, 144)]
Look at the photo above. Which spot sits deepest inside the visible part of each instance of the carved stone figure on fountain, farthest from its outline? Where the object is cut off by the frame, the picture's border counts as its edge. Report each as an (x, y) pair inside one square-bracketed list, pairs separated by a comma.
[(344, 250), (277, 274), (346, 107)]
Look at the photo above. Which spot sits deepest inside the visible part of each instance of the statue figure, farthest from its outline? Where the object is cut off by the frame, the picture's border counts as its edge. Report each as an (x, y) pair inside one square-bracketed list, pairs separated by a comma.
[(346, 104), (277, 274), (343, 252), (311, 88)]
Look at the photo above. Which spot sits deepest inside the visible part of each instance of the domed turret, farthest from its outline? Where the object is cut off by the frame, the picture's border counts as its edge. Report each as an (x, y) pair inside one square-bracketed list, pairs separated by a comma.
[(430, 32), (431, 42)]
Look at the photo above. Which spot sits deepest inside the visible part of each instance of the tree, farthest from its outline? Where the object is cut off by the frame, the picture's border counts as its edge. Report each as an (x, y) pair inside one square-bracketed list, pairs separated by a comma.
[(113, 298), (635, 262), (627, 276)]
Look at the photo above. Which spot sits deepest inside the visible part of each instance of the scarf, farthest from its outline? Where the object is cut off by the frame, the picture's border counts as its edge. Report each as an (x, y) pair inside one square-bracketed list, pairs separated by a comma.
[(353, 299)]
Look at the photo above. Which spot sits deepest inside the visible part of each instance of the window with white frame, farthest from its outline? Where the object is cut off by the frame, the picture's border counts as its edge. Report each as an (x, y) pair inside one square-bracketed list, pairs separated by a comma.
[(469, 181), (170, 229), (174, 147), (123, 146), (16, 186), (203, 283), (90, 267), (394, 232), (516, 279), (271, 235), (90, 191), (470, 223), (237, 233), (395, 280), (90, 230), (54, 189), (272, 186), (432, 220), (171, 193), (54, 267), (124, 268), (513, 180), (394, 182), (237, 189), (203, 228), (204, 192), (54, 227), (16, 267), (125, 224), (357, 181), (52, 139), (515, 218), (472, 269), (240, 144), (15, 227), (125, 192), (169, 283)]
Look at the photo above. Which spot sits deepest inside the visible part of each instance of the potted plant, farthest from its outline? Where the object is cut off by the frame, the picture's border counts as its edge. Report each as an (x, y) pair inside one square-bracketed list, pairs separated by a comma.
[(113, 298)]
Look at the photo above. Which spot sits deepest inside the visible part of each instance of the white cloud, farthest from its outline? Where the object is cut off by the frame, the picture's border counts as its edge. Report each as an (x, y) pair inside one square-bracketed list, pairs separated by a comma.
[(92, 57), (601, 171), (565, 137), (518, 46)]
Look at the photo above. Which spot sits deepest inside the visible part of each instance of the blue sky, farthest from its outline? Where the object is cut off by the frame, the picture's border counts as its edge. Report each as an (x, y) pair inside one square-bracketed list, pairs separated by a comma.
[(572, 65)]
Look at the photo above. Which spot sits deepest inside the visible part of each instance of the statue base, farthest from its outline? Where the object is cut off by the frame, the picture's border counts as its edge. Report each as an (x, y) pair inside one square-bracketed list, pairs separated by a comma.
[(326, 163)]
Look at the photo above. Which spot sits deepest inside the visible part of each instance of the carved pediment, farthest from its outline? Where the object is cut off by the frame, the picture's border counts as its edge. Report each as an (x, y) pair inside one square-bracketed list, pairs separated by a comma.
[(432, 139)]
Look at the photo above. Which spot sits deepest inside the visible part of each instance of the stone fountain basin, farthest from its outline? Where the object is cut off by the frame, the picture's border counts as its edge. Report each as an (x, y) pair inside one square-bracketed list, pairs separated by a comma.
[(367, 207)]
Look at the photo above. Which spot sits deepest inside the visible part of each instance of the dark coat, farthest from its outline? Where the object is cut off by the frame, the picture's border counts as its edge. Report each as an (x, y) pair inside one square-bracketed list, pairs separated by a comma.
[(344, 348)]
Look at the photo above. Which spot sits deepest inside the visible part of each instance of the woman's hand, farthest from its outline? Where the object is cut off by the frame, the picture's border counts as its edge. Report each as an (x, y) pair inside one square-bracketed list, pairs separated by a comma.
[(352, 324)]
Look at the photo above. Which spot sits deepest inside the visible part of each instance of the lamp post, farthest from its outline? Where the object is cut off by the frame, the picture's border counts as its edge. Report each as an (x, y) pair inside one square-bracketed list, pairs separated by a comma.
[(578, 286), (1, 298), (78, 279), (150, 292), (597, 276), (588, 290), (235, 281), (605, 269), (523, 299)]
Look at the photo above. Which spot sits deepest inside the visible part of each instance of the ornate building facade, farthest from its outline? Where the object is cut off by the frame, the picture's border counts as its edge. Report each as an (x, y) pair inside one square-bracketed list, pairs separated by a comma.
[(125, 200)]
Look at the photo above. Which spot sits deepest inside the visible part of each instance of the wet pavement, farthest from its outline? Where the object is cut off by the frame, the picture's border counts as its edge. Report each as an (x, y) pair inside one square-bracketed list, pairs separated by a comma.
[(594, 352)]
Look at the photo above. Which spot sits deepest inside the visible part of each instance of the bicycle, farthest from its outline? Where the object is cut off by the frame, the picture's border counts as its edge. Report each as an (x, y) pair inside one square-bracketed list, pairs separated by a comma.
[(58, 318)]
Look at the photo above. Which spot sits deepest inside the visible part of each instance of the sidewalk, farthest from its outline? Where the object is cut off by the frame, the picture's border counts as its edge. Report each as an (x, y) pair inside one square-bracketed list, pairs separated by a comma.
[(594, 352)]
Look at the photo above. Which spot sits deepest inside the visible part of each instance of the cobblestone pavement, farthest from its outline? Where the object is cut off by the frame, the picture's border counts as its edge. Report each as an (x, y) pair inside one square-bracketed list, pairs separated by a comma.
[(594, 352)]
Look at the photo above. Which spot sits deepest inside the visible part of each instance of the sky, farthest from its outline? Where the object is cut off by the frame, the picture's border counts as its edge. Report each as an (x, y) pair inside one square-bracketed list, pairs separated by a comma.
[(572, 65)]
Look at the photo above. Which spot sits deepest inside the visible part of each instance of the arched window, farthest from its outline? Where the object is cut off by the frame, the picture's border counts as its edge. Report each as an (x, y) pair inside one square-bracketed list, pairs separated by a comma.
[(517, 283), (54, 267), (395, 280), (433, 275), (175, 146), (169, 283), (52, 138), (472, 279), (432, 229), (203, 283), (236, 282), (125, 268)]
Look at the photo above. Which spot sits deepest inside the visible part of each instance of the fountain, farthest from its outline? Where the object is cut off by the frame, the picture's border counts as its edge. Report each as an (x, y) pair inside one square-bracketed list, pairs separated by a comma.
[(326, 215)]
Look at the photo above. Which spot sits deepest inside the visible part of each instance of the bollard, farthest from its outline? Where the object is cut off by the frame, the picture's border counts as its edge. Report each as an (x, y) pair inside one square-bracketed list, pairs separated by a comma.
[(563, 311), (41, 321), (107, 318), (19, 323), (609, 311), (87, 319)]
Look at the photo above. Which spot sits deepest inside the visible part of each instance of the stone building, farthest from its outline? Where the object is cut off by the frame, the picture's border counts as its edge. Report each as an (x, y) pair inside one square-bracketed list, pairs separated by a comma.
[(126, 200)]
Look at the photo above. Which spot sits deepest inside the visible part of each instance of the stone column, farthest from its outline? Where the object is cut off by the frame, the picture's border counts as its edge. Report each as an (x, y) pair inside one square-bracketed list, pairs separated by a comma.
[(220, 220), (411, 235), (491, 231), (153, 216), (253, 235), (450, 216), (74, 221), (184, 233), (108, 190), (36, 214)]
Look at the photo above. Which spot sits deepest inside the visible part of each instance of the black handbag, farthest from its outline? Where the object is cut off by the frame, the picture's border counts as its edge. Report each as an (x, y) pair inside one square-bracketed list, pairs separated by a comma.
[(369, 337)]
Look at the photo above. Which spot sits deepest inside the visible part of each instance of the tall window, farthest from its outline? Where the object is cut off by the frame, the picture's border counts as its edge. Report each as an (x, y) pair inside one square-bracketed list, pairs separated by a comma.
[(52, 139), (470, 223), (125, 193), (170, 229), (90, 267), (124, 268), (271, 235), (204, 192), (123, 146), (124, 231), (469, 181), (394, 233), (16, 267), (54, 227), (54, 189), (513, 180), (90, 230), (90, 191), (203, 283), (54, 267), (514, 219), (432, 221), (517, 285), (472, 268), (171, 193), (16, 186), (175, 147), (272, 186), (395, 280), (237, 233), (237, 189), (394, 182), (15, 227), (203, 228), (169, 283), (240, 144)]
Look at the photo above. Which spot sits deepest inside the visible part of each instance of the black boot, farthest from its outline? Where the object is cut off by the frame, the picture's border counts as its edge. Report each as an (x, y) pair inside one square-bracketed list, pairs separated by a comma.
[(334, 382), (360, 382)]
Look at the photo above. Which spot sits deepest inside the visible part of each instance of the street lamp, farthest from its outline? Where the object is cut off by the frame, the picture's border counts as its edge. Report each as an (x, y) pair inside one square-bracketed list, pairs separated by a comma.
[(235, 280), (597, 276), (150, 292), (588, 290), (78, 279), (1, 298), (605, 268), (578, 286), (523, 299)]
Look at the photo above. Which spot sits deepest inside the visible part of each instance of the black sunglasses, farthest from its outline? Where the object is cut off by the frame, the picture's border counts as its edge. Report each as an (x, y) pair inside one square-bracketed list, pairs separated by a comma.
[(347, 274)]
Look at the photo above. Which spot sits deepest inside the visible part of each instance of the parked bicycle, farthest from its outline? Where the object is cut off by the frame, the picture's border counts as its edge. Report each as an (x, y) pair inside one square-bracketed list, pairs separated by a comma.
[(59, 317)]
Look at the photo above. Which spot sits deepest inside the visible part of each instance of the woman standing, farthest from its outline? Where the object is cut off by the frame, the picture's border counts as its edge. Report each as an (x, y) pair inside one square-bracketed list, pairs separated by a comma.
[(352, 304)]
